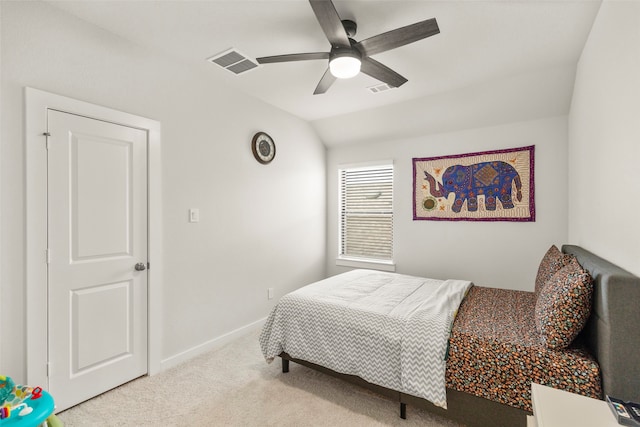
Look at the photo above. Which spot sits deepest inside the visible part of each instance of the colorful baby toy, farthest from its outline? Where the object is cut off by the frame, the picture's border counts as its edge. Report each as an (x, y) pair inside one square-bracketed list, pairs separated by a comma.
[(23, 405)]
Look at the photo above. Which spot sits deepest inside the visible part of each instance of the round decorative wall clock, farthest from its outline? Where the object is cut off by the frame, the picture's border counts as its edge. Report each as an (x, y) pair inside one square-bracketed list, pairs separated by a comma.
[(263, 147)]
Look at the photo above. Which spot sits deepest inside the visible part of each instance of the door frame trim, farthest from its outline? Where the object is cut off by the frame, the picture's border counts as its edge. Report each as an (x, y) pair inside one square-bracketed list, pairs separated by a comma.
[(37, 103)]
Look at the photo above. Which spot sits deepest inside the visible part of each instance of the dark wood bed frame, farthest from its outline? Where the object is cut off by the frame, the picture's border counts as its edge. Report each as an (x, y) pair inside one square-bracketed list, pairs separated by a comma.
[(611, 334)]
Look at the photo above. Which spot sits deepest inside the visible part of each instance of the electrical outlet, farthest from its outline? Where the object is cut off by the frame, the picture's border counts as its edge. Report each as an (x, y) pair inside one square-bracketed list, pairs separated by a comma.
[(270, 293)]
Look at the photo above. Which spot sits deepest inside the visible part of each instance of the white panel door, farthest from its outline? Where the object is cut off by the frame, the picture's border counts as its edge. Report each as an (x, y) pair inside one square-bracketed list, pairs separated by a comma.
[(97, 231)]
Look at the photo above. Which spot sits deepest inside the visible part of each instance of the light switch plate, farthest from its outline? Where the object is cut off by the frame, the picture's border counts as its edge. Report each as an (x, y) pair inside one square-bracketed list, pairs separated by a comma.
[(194, 215)]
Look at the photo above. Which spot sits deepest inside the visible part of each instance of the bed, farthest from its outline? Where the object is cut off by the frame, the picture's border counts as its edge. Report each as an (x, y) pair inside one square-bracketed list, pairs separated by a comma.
[(493, 350)]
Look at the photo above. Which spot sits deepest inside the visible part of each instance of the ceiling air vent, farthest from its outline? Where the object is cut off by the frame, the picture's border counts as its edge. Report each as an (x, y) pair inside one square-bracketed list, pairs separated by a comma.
[(380, 88), (233, 61)]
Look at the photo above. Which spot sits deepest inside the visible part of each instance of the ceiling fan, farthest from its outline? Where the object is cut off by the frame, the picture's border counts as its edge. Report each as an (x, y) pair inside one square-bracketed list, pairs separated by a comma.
[(347, 57)]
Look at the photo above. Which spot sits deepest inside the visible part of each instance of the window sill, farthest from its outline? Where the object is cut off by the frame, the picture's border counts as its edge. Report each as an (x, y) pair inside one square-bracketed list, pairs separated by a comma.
[(370, 264)]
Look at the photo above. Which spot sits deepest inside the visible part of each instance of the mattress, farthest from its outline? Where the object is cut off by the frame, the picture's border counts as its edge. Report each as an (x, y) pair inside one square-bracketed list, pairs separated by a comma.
[(495, 352)]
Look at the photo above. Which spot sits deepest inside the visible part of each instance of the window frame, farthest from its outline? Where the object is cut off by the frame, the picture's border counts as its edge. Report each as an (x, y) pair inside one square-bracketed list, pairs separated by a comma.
[(361, 261)]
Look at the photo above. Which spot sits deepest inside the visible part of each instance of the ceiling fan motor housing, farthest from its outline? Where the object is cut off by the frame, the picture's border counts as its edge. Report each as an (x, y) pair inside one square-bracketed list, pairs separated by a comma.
[(339, 52)]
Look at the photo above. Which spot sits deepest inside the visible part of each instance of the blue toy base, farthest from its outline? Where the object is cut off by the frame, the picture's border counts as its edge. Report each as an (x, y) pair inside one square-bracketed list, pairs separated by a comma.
[(42, 408)]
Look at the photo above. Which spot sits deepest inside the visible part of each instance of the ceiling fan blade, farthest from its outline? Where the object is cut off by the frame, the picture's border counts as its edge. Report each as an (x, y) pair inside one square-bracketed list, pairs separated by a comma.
[(398, 37), (373, 68), (293, 57), (330, 22), (325, 83)]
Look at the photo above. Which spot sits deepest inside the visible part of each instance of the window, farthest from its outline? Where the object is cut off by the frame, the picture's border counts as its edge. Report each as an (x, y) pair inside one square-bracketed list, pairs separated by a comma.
[(366, 214)]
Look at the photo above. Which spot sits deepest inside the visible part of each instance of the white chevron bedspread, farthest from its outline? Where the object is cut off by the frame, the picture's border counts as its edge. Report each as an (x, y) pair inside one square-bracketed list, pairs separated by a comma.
[(389, 329)]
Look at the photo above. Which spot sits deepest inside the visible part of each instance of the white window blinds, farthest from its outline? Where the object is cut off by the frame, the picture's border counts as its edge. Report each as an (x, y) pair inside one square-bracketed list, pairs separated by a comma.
[(366, 213)]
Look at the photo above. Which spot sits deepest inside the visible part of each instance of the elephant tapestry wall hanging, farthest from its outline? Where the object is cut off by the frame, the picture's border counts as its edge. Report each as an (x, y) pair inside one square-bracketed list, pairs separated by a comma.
[(487, 186)]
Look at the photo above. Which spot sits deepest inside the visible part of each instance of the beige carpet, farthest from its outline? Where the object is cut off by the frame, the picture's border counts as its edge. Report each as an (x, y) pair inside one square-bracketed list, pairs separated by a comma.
[(234, 386)]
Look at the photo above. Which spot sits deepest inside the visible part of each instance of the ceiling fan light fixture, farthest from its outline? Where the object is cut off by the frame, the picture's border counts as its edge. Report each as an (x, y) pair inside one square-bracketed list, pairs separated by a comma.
[(345, 65)]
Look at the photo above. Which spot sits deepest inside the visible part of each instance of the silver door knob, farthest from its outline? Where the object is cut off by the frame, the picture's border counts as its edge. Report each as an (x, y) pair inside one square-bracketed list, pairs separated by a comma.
[(140, 266)]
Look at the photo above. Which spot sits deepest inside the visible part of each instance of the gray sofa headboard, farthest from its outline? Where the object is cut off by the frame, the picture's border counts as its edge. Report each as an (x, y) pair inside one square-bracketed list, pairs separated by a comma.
[(612, 332)]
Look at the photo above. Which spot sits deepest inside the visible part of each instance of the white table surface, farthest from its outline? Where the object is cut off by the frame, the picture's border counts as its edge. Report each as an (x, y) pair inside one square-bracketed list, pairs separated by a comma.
[(558, 408)]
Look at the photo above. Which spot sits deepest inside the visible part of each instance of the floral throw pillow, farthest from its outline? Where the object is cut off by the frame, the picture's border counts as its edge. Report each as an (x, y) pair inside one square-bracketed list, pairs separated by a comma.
[(564, 305), (552, 261)]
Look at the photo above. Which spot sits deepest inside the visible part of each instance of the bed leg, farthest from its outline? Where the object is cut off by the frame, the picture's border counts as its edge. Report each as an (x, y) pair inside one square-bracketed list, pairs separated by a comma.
[(285, 366), (403, 411)]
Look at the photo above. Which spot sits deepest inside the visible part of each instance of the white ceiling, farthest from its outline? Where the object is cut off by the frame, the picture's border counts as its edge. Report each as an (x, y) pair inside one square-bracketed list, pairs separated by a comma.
[(479, 41)]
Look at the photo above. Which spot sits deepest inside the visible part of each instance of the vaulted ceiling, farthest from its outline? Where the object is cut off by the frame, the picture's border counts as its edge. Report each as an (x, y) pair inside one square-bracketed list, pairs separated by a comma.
[(512, 49)]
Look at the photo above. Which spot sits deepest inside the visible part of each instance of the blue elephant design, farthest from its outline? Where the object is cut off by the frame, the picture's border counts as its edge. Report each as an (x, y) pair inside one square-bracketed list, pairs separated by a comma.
[(493, 180)]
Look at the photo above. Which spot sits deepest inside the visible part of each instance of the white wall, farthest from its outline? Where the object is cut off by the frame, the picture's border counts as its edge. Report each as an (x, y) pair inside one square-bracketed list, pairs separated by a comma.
[(604, 138), (497, 254), (260, 226)]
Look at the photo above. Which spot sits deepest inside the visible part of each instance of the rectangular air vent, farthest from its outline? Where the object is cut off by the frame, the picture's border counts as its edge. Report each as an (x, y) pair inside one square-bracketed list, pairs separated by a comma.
[(380, 88), (233, 61)]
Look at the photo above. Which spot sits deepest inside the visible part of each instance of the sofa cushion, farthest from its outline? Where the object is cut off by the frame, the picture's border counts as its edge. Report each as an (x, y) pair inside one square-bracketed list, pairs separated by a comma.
[(563, 305)]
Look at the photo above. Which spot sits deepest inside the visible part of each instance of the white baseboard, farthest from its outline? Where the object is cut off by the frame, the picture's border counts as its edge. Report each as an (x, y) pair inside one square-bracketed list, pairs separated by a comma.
[(210, 345)]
